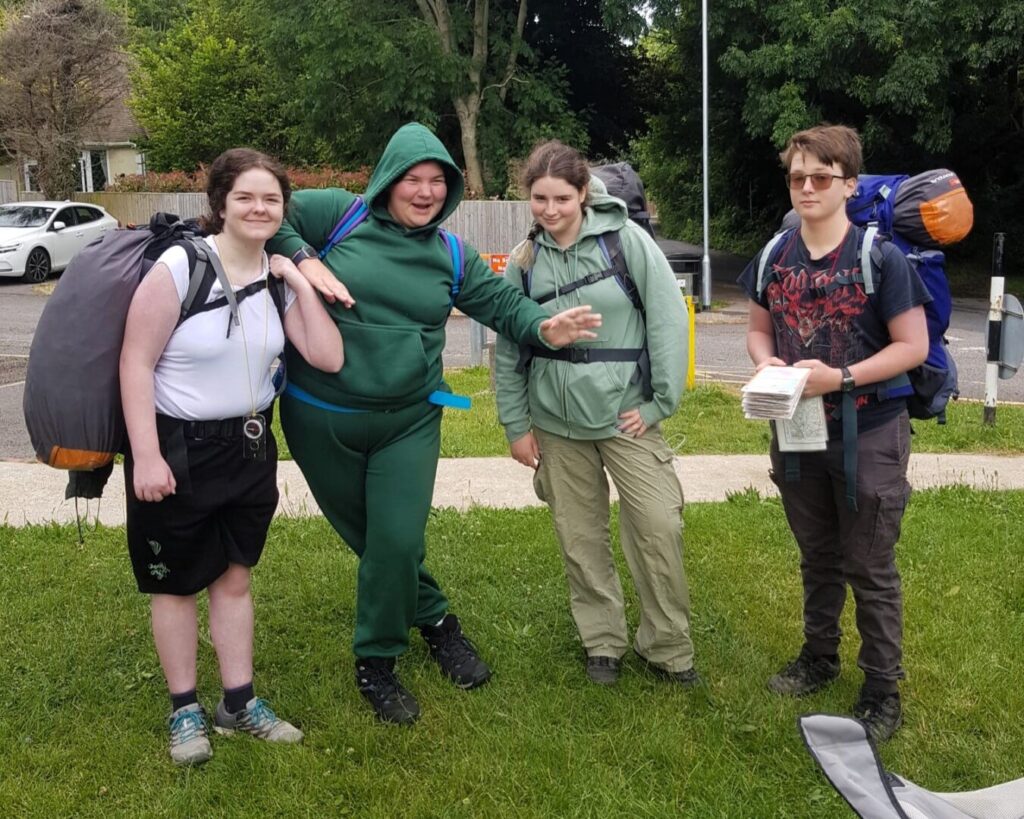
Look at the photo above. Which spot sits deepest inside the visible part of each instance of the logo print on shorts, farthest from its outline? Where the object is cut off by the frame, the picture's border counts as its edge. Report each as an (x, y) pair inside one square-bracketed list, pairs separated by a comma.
[(155, 546), (159, 570)]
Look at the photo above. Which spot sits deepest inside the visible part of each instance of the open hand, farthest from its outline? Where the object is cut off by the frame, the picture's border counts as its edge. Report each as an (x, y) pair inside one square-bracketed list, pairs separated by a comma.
[(570, 325), (325, 282)]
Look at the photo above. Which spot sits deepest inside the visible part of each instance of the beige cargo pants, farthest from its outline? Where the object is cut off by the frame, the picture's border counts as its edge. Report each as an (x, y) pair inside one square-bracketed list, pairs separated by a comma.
[(573, 480)]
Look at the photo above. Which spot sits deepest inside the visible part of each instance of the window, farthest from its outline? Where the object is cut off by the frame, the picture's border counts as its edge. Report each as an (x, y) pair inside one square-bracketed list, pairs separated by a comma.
[(86, 215), (92, 170), (65, 215), (31, 174)]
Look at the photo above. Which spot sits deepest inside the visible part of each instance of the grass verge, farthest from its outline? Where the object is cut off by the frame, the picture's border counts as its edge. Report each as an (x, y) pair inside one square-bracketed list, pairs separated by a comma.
[(82, 703)]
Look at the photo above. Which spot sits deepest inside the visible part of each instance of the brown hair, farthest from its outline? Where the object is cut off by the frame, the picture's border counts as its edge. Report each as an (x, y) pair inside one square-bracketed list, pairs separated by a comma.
[(559, 161), (225, 169), (832, 144)]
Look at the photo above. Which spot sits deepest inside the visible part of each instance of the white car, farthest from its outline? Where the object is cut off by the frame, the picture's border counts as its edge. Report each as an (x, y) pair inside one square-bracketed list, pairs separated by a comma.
[(39, 238)]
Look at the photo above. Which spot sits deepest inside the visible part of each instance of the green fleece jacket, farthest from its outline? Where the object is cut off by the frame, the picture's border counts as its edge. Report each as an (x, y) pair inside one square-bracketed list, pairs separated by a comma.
[(584, 400), (401, 280)]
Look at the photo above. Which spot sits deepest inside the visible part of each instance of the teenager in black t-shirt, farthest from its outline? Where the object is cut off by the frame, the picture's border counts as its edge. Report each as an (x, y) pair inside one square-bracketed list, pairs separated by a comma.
[(813, 311)]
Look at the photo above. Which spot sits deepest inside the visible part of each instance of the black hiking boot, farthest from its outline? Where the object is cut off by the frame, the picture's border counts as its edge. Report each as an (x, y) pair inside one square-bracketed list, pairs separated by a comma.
[(805, 675), (880, 711), (603, 670), (455, 654), (687, 679), (378, 682)]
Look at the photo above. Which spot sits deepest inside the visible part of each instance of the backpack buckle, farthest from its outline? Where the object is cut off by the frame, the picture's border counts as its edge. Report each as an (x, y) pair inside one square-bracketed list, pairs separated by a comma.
[(579, 355)]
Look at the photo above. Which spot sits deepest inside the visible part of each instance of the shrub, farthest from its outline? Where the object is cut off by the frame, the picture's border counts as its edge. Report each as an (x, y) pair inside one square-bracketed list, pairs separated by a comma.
[(182, 182)]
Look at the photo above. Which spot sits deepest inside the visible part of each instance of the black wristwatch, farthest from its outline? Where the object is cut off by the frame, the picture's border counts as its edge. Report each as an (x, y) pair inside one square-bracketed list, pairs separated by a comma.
[(848, 382), (303, 253)]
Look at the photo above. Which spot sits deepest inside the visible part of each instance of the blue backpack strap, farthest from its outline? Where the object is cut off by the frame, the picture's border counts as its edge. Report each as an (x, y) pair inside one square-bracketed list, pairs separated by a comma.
[(458, 253), (766, 255), (350, 220)]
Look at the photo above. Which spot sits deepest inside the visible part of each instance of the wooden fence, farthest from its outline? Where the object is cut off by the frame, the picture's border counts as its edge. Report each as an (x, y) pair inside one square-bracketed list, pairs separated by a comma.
[(7, 191), (490, 227)]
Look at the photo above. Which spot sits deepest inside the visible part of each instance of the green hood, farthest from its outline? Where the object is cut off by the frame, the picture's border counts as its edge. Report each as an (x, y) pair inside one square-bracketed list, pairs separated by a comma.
[(412, 143)]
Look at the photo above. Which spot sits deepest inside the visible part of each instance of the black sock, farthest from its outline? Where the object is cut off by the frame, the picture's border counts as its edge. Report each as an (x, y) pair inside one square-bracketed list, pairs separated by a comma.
[(183, 699), (236, 698)]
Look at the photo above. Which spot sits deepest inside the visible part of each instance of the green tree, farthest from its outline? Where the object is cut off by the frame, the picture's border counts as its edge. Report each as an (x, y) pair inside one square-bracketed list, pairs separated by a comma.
[(207, 87), (927, 84)]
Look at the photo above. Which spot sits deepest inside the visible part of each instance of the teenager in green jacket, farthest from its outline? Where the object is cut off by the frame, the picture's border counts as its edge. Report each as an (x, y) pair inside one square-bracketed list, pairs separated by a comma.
[(578, 415), (368, 438)]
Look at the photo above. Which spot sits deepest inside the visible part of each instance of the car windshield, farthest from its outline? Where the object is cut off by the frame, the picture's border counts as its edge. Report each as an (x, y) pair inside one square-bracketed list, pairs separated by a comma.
[(23, 216)]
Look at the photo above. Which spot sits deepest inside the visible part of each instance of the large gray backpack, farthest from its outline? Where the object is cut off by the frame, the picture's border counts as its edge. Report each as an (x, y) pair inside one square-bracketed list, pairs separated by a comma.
[(840, 745), (72, 401), (624, 183)]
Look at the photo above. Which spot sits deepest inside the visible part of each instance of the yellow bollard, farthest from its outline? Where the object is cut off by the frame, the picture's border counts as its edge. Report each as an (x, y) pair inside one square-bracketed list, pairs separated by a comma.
[(691, 356)]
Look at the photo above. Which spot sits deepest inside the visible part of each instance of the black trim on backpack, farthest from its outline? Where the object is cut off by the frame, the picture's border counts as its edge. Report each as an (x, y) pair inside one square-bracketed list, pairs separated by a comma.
[(611, 244)]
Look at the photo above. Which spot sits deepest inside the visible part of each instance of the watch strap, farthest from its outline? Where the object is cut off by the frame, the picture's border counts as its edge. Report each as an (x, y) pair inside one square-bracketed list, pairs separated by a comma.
[(303, 253)]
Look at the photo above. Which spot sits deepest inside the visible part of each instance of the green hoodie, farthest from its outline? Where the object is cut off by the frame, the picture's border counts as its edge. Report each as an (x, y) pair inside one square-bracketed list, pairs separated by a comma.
[(401, 280), (584, 400)]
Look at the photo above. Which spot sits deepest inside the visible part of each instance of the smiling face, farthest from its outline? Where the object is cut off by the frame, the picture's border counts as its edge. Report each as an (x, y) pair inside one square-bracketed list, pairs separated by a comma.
[(819, 206), (416, 199), (557, 207), (254, 208)]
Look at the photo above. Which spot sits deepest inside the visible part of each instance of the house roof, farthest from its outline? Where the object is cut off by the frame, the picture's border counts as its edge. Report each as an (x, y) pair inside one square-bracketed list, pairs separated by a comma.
[(115, 123)]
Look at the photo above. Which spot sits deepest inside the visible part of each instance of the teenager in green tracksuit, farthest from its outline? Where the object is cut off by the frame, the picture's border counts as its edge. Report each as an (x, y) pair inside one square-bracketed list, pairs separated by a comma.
[(577, 421), (368, 438)]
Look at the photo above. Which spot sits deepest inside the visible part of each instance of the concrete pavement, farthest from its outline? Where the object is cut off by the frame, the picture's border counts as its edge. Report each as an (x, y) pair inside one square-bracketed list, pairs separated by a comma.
[(33, 493)]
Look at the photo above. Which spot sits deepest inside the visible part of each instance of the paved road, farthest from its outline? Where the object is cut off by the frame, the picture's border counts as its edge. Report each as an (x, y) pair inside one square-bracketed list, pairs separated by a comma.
[(720, 350)]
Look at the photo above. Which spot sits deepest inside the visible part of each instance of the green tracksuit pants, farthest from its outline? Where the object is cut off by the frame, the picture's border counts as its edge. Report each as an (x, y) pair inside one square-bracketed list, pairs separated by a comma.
[(372, 474)]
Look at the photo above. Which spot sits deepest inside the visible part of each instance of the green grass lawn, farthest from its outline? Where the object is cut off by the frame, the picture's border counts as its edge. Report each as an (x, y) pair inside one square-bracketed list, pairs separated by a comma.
[(82, 700), (709, 421)]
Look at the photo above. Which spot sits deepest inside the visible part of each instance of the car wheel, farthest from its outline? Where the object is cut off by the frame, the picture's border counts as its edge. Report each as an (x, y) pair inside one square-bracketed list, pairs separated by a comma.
[(37, 266)]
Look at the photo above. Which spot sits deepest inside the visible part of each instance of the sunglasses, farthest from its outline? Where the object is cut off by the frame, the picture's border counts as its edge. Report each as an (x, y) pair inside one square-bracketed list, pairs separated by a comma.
[(819, 181)]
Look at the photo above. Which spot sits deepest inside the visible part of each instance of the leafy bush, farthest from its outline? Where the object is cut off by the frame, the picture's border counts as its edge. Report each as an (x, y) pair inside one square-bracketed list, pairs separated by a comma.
[(182, 182)]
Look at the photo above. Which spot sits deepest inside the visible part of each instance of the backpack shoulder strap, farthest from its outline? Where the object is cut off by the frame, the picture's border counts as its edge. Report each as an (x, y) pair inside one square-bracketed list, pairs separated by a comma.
[(866, 268), (203, 270), (767, 254), (276, 286), (352, 218), (611, 246), (457, 251)]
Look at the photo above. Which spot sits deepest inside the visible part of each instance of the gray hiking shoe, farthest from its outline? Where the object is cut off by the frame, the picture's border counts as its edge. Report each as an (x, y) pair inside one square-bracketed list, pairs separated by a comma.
[(256, 719), (603, 670), (805, 675), (190, 743)]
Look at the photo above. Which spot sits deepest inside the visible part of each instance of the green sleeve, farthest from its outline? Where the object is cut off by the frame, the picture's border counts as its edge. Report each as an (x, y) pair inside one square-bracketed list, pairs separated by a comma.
[(493, 300), (511, 387), (311, 216), (667, 322)]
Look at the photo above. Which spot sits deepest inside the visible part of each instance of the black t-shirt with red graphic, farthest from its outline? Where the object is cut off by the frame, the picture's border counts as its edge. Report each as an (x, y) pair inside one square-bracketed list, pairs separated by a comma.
[(838, 324)]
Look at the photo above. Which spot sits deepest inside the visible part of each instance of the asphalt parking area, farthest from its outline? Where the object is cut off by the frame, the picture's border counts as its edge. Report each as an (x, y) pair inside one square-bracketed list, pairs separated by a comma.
[(12, 369)]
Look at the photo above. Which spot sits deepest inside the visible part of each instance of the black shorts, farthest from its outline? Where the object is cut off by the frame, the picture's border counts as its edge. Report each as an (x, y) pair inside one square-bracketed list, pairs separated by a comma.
[(219, 514)]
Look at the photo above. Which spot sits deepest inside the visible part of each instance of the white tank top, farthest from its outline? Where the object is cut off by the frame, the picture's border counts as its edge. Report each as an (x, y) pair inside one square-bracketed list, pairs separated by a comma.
[(205, 373)]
